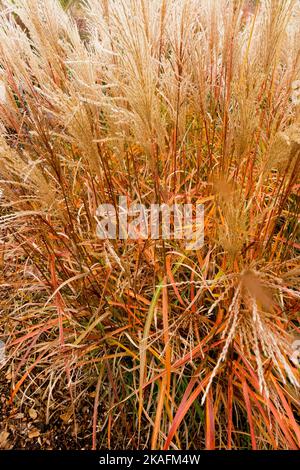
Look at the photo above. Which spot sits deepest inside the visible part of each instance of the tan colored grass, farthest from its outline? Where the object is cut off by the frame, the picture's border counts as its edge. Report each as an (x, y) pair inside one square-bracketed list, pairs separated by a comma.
[(162, 101)]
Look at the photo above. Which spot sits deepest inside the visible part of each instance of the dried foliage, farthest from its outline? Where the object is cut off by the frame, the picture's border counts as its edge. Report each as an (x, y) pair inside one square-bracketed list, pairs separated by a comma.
[(162, 101)]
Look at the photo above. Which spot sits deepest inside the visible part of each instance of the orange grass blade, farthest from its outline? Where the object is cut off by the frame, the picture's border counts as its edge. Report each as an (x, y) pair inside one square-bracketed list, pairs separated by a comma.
[(183, 409), (210, 422), (250, 420)]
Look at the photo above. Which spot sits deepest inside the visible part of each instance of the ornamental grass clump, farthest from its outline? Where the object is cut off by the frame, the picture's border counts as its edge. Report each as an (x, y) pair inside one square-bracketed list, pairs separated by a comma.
[(164, 102)]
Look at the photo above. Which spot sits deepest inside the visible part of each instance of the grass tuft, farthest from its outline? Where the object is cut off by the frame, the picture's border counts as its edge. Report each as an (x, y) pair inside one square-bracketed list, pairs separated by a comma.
[(162, 101)]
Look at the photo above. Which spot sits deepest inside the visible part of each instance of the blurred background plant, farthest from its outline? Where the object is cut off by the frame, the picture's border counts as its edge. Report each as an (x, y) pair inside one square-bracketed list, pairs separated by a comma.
[(161, 101)]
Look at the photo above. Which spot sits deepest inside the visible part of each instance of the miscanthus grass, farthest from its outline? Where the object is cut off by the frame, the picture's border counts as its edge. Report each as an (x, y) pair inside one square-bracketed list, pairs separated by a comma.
[(162, 101)]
